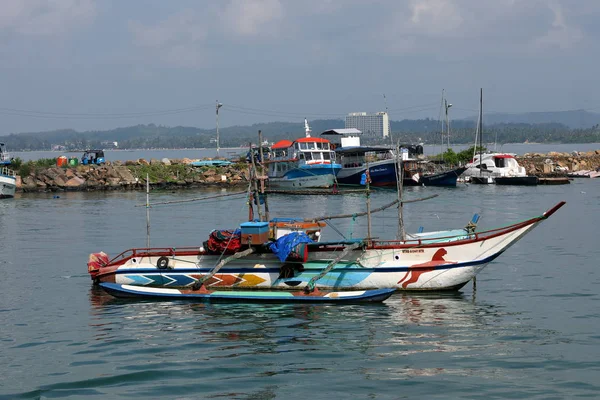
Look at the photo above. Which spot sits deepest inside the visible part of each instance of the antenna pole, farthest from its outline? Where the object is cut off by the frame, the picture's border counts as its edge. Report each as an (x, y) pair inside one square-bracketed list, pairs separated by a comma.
[(219, 105)]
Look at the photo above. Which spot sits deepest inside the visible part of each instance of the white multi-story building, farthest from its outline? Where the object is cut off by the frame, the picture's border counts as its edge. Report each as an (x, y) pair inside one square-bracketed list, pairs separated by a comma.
[(376, 124)]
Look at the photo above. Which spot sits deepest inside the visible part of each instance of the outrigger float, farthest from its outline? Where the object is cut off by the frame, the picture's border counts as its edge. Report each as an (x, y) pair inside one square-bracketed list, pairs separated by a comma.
[(255, 263)]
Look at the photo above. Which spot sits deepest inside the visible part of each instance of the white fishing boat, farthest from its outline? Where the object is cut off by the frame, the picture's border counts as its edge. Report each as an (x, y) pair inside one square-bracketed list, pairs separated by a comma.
[(8, 178)]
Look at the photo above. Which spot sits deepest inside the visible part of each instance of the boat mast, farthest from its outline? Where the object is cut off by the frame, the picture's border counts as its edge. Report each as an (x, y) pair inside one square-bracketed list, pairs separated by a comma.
[(480, 128), (368, 200), (399, 173), (306, 128), (147, 210), (263, 176)]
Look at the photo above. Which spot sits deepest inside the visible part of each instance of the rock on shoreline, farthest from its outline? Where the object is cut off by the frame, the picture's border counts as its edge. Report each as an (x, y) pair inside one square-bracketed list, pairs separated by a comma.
[(555, 163), (131, 175)]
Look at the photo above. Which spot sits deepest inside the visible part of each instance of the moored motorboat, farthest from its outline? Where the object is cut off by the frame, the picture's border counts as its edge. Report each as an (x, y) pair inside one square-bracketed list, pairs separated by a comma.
[(487, 167)]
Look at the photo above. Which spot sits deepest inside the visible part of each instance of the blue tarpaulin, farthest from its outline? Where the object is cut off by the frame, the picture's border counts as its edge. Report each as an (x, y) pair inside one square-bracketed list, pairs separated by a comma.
[(286, 244)]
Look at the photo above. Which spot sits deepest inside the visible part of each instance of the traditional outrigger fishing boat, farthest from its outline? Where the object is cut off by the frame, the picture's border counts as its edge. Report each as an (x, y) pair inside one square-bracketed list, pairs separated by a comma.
[(435, 261), (255, 258)]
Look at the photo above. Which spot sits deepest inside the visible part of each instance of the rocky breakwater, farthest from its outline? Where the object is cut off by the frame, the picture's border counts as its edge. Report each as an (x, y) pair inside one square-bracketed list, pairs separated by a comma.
[(559, 164), (131, 175)]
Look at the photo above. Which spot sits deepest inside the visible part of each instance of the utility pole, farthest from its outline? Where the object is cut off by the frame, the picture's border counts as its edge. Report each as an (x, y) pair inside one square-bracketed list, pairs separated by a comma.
[(219, 105), (447, 105)]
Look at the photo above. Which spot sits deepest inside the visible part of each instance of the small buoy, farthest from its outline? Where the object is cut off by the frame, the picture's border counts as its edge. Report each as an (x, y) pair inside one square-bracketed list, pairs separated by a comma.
[(56, 197), (582, 192)]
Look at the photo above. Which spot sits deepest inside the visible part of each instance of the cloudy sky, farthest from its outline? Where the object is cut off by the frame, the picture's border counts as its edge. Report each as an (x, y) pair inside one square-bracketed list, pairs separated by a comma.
[(97, 64)]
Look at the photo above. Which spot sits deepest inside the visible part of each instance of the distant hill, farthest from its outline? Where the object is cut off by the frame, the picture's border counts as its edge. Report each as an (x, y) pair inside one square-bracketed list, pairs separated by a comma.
[(575, 119), (427, 131)]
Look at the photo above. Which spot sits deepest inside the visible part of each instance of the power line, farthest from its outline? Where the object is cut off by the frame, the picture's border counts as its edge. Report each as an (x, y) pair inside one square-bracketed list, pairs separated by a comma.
[(55, 115)]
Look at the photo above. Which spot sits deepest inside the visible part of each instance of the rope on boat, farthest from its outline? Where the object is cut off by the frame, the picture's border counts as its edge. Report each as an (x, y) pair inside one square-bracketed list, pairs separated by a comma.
[(360, 214), (197, 285), (190, 200), (310, 286)]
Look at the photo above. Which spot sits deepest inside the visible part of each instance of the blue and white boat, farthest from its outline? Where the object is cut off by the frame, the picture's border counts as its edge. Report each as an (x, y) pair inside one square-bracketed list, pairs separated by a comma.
[(8, 178), (307, 162)]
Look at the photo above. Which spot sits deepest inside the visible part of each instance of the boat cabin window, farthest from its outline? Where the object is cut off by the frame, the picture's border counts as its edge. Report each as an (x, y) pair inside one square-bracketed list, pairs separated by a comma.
[(500, 162), (327, 155), (307, 156), (482, 166)]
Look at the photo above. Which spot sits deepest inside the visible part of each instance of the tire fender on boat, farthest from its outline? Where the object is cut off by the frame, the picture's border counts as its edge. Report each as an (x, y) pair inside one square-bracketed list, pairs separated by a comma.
[(162, 263)]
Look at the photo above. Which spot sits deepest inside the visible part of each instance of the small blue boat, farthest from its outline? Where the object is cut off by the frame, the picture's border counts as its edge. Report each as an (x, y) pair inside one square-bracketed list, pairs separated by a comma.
[(211, 163), (253, 296)]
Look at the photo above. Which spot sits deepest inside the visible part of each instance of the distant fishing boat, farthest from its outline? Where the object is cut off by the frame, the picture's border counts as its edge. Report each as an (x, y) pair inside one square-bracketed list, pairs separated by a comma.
[(308, 162), (8, 178)]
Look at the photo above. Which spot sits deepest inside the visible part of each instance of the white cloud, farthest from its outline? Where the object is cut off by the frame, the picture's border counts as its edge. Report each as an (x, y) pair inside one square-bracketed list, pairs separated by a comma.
[(434, 17), (253, 17), (45, 17), (560, 34), (177, 40)]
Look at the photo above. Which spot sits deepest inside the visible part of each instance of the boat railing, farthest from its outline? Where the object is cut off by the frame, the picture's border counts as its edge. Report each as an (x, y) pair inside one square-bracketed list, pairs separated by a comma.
[(475, 236), (154, 252), (7, 171)]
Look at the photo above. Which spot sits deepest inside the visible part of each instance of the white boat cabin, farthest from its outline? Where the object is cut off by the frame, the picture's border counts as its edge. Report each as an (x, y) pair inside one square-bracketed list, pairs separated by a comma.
[(494, 164)]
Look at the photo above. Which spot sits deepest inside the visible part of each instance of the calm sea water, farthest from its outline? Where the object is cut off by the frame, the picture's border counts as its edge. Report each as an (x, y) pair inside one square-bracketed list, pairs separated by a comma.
[(114, 155), (530, 329)]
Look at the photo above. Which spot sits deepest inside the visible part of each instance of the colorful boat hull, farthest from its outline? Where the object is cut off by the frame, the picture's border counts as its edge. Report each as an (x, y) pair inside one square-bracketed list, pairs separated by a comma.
[(298, 296)]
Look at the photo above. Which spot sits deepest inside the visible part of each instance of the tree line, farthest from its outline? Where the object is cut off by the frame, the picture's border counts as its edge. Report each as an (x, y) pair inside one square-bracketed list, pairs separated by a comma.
[(426, 131)]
